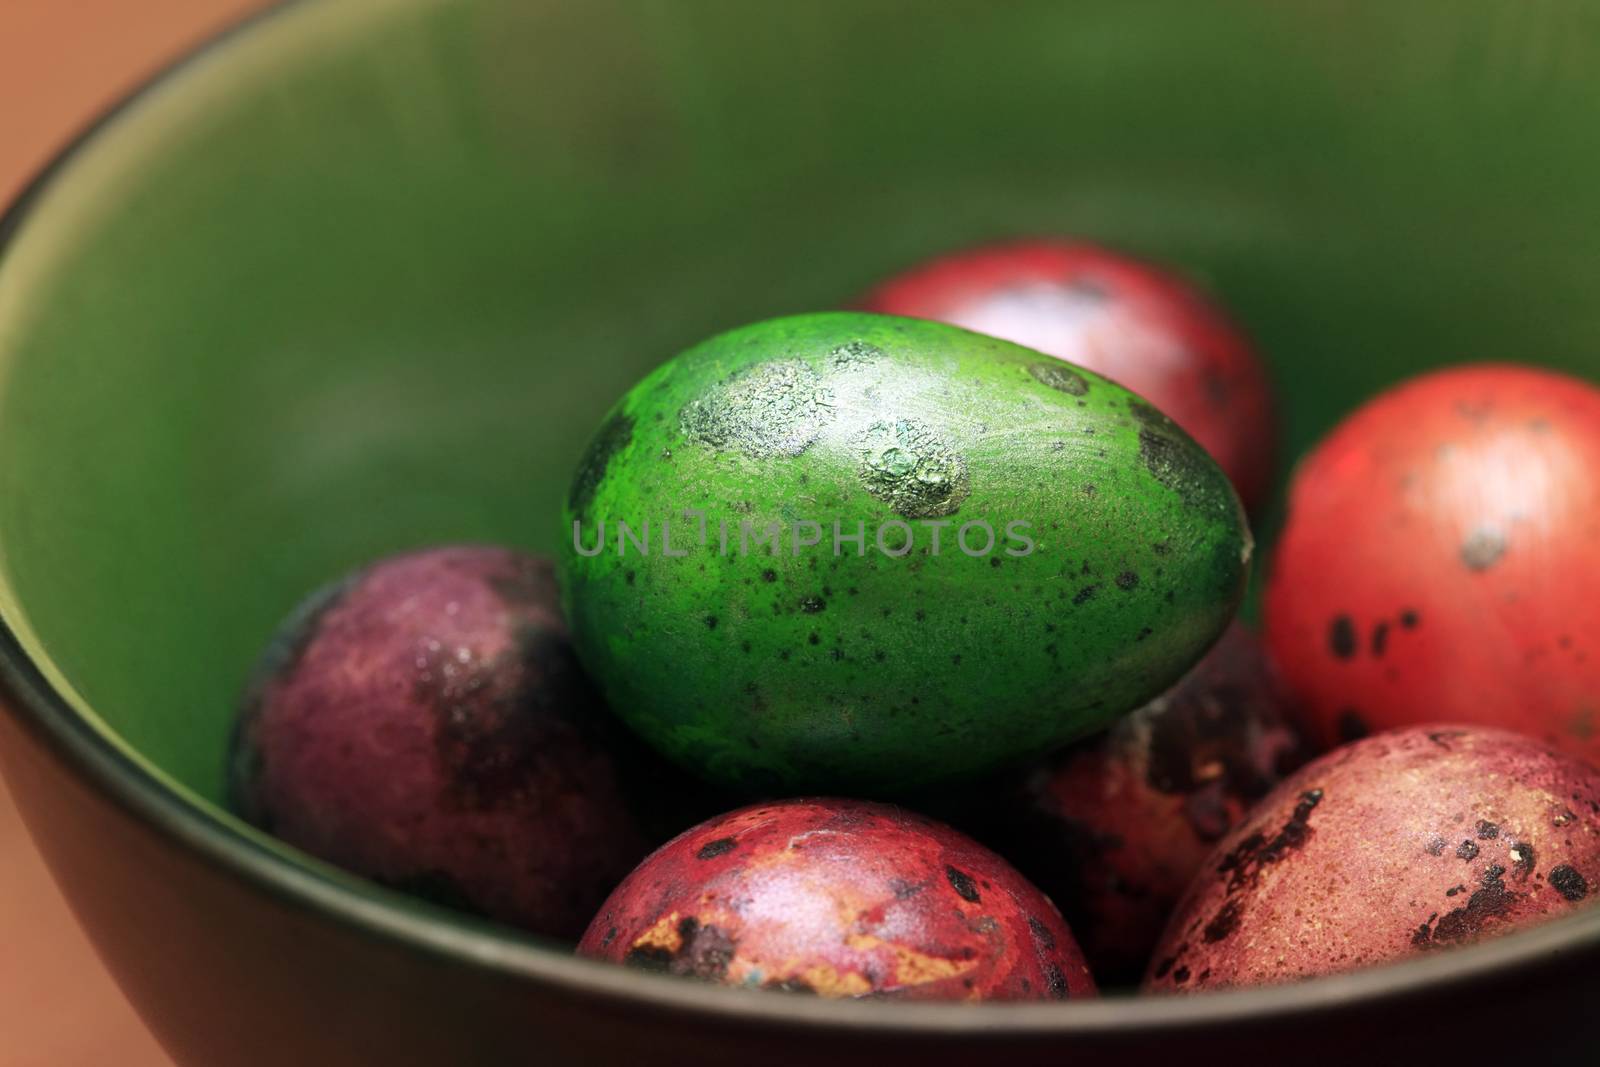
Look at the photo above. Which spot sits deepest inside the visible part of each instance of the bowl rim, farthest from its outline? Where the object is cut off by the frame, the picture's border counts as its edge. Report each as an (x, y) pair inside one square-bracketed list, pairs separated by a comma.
[(44, 712)]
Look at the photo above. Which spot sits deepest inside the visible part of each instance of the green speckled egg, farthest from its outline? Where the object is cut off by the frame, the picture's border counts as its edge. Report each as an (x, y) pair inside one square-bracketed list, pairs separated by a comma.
[(859, 552)]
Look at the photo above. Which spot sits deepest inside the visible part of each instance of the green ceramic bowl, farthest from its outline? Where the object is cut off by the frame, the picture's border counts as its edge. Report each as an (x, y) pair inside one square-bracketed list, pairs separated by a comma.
[(364, 276)]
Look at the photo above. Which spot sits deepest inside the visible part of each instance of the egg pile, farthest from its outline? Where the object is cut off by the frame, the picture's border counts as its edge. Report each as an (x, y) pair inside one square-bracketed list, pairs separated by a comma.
[(875, 635)]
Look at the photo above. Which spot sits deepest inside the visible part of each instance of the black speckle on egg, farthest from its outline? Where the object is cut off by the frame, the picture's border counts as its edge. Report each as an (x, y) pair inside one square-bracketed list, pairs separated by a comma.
[(1342, 637), (1566, 880), (712, 849), (963, 884), (612, 437)]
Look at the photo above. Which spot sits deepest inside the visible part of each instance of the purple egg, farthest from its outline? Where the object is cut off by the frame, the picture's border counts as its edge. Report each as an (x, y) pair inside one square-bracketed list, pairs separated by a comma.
[(424, 723)]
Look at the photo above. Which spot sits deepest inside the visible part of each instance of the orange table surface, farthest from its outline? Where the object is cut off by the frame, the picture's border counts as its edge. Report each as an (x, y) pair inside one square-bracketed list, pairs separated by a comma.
[(61, 62)]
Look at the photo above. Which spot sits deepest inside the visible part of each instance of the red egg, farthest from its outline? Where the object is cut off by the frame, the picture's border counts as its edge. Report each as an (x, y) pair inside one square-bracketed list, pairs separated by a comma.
[(1135, 323), (1403, 844), (1116, 827), (1439, 561), (425, 724), (840, 898)]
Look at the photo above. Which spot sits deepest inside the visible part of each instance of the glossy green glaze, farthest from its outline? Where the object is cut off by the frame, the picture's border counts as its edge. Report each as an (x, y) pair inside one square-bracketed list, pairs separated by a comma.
[(854, 552)]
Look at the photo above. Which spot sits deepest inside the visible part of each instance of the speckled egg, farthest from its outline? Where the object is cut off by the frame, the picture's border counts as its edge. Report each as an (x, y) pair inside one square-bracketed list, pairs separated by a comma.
[(1405, 843), (1115, 828), (861, 552), (1438, 561), (840, 898), (424, 723), (1138, 324)]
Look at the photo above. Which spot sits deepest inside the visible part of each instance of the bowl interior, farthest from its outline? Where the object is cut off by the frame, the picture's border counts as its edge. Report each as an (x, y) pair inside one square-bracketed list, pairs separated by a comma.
[(367, 276)]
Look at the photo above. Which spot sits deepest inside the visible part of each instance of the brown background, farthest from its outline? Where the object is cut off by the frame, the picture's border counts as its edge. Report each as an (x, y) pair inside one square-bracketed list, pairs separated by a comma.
[(61, 62)]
